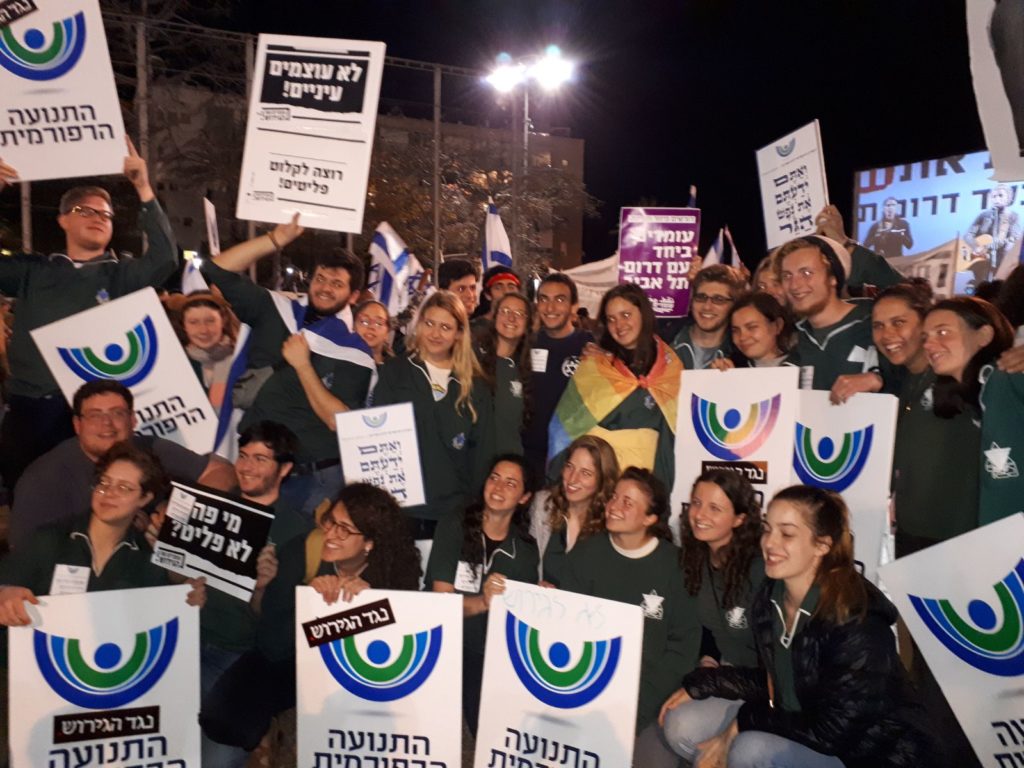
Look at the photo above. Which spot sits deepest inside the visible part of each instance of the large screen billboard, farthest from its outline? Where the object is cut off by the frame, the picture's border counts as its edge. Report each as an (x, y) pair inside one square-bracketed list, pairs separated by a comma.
[(944, 219)]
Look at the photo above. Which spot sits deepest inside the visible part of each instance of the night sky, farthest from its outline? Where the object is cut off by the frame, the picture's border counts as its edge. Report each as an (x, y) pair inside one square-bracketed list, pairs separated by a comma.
[(670, 94)]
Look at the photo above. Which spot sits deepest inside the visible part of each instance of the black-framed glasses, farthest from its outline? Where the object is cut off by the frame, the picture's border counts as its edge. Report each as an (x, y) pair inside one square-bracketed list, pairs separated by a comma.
[(716, 299), (344, 529)]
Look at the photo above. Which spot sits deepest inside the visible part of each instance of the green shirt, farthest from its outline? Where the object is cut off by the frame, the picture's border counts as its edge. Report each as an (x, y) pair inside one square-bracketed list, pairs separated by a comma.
[(229, 623), (782, 654), (455, 450), (845, 347), (730, 624), (50, 289), (671, 628), (932, 504), (508, 408), (1002, 445)]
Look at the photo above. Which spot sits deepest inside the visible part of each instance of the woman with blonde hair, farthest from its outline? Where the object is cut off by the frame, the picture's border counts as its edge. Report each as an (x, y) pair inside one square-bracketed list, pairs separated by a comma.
[(572, 509), (452, 405)]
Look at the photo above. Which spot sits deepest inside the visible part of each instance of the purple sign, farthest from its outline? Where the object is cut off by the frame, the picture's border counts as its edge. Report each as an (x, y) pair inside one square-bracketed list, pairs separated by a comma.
[(656, 246)]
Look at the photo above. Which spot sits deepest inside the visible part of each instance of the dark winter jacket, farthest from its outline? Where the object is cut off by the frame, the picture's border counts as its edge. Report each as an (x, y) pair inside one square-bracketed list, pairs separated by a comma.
[(855, 700)]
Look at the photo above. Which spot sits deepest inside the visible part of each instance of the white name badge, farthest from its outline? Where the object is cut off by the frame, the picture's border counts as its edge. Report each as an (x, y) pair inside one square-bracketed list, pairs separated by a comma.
[(468, 578), (857, 355), (539, 360), (806, 377), (69, 579)]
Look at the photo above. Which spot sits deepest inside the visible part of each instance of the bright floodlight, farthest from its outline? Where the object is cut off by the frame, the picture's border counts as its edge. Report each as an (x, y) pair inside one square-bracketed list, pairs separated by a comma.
[(505, 77), (552, 70), (289, 270)]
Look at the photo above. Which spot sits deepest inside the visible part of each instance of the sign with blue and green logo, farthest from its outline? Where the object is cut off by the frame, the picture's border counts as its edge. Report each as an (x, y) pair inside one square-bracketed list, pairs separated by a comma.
[(110, 677), (560, 669), (379, 677)]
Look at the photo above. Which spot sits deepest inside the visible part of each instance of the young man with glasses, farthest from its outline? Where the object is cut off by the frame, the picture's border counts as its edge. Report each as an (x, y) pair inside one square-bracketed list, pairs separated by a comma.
[(48, 289), (554, 355), (57, 485), (704, 337)]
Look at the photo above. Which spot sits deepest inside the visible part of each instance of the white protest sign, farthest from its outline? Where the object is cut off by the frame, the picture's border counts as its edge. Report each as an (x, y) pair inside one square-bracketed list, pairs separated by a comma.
[(214, 536), (378, 446), (60, 116), (740, 420), (130, 340), (848, 449), (379, 678), (312, 114), (212, 231), (561, 680), (963, 602), (111, 678), (793, 187)]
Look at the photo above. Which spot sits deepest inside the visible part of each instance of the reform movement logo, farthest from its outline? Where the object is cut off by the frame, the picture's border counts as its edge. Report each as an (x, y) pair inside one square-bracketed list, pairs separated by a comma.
[(380, 674), (732, 437), (556, 678), (824, 466), (982, 641), (110, 680), (33, 58), (127, 364)]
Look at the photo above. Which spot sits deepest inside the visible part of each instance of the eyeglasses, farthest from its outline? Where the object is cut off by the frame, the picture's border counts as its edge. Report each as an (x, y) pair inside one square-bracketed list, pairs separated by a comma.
[(108, 487), (116, 416), (716, 299), (88, 212), (344, 529), (508, 313), (368, 323)]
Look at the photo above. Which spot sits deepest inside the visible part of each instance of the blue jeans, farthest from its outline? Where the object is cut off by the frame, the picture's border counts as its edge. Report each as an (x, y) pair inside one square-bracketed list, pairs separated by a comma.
[(304, 493), (696, 721), (213, 663), (757, 749)]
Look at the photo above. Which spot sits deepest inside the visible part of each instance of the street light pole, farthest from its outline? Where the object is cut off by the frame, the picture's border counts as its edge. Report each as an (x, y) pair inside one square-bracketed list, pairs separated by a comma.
[(524, 185)]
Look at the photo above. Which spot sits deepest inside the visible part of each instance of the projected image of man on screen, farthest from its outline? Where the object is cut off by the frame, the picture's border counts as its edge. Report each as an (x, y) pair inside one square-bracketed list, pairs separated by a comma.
[(995, 233), (891, 234)]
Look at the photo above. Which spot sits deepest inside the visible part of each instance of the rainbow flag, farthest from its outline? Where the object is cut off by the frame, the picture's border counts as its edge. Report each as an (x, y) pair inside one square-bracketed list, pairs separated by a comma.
[(601, 384)]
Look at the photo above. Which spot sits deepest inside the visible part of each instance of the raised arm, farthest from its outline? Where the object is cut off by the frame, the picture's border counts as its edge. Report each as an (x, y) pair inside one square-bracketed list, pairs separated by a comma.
[(240, 257)]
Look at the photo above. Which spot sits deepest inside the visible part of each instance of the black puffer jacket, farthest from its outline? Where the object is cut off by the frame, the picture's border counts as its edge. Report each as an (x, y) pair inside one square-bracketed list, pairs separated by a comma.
[(856, 702)]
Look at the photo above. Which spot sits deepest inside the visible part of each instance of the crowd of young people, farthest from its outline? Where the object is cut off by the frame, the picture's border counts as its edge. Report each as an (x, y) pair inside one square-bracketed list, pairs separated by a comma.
[(548, 457)]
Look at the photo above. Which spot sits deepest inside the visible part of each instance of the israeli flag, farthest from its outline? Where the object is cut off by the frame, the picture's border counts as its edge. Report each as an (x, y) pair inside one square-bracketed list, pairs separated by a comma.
[(394, 272), (715, 252), (192, 279), (497, 249)]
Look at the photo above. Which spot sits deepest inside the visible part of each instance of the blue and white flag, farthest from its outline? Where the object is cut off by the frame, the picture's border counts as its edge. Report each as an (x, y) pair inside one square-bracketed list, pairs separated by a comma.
[(225, 444), (497, 248), (734, 255), (394, 272), (328, 336), (192, 279), (714, 254)]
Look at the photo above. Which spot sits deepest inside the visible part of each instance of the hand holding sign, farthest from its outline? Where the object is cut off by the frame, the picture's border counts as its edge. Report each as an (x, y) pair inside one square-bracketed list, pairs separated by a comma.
[(12, 606), (283, 234), (266, 566), (197, 596), (7, 174), (138, 174)]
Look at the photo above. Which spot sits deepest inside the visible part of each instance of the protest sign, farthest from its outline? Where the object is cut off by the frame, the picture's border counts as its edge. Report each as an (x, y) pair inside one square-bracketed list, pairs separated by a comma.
[(741, 420), (379, 679), (378, 446), (561, 680), (963, 602), (60, 116), (848, 449), (656, 246), (312, 114), (107, 678), (130, 340), (793, 188), (208, 534), (212, 231)]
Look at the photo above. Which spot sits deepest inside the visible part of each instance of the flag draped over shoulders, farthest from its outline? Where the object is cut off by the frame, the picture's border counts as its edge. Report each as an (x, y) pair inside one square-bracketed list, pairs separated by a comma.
[(601, 385)]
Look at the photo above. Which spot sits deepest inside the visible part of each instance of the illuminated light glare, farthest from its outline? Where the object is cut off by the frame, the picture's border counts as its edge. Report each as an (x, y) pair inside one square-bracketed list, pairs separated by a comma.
[(506, 77), (552, 71), (197, 261), (290, 270)]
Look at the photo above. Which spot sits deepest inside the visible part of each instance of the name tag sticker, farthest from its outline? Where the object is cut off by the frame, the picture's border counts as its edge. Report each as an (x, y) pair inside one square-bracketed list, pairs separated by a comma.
[(468, 578), (857, 355), (69, 579), (539, 360)]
